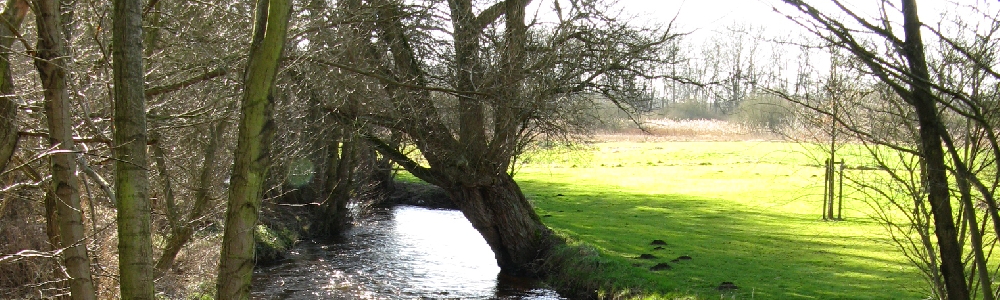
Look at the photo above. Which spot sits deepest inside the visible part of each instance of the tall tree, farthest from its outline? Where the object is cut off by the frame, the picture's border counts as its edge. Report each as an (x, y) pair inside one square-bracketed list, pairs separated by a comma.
[(935, 170), (252, 156), (13, 15), (470, 111), (471, 168), (909, 79), (51, 63), (135, 247)]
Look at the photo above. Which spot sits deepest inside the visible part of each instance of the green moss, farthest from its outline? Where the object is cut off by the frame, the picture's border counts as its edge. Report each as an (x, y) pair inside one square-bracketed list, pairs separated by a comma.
[(206, 291), (272, 242)]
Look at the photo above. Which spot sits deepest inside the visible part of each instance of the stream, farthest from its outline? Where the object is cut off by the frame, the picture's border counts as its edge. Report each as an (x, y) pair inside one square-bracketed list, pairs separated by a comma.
[(405, 252)]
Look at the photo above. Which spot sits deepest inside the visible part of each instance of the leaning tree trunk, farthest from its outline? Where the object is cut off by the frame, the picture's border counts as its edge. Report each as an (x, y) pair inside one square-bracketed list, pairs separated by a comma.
[(503, 216), (12, 15), (253, 143), (495, 206), (471, 169), (51, 65)]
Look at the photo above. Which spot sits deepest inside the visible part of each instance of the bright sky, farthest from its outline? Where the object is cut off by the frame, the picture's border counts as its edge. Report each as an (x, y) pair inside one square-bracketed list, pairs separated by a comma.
[(706, 17), (706, 20), (703, 16)]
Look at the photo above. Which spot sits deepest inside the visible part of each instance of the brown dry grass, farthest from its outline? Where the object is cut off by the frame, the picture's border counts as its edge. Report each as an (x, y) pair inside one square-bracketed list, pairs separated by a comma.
[(22, 227), (194, 270), (104, 250), (664, 130)]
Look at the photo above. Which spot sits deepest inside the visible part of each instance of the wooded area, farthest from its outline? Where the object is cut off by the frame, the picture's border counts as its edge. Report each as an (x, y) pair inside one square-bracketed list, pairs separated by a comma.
[(156, 133)]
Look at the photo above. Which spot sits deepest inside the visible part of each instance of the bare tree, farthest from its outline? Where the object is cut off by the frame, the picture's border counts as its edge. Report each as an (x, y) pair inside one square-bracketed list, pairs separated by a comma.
[(929, 104), (498, 83), (188, 49)]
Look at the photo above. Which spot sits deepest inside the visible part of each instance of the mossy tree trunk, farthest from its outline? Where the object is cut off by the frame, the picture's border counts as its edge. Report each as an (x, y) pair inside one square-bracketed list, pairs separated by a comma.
[(252, 155), (51, 65), (135, 247)]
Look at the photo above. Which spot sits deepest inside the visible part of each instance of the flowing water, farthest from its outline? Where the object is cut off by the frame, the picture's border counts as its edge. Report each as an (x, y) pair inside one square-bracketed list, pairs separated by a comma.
[(403, 253)]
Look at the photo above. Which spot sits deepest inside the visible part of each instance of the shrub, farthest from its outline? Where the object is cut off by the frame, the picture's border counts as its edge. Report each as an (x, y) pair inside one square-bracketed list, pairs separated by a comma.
[(766, 112), (690, 110)]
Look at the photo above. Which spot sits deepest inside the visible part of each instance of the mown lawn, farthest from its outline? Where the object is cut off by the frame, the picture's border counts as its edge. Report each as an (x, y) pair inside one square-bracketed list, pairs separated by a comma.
[(745, 212)]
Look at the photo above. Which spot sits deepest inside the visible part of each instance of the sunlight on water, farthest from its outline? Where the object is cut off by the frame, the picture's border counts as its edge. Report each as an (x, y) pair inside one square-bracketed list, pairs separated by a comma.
[(405, 253), (453, 256)]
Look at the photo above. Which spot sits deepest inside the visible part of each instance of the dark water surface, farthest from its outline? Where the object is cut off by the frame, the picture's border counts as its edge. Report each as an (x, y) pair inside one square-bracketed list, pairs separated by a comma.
[(403, 253)]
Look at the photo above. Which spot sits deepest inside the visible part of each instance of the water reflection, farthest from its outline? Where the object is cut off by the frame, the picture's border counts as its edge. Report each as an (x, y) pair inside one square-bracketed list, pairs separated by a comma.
[(406, 253)]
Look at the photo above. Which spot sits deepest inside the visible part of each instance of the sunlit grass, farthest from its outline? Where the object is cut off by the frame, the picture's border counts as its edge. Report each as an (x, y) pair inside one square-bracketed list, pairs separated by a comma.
[(746, 212)]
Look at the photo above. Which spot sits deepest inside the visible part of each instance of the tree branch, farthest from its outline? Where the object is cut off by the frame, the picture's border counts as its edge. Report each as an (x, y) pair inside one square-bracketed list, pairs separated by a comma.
[(75, 139), (391, 81), (105, 186), (154, 91), (402, 160)]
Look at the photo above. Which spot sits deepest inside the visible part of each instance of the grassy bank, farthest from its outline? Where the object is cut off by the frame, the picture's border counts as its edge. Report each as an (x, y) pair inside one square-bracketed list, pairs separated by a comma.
[(745, 212)]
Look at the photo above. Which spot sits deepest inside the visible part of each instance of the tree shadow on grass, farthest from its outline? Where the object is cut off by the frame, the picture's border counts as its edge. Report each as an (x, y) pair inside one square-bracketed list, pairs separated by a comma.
[(766, 255)]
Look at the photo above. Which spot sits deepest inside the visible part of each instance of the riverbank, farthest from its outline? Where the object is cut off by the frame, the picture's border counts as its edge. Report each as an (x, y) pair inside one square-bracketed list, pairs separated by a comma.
[(279, 228), (415, 193), (574, 269)]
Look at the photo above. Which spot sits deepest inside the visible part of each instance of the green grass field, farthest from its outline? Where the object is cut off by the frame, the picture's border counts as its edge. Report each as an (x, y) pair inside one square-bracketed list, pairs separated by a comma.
[(746, 212)]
